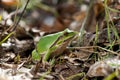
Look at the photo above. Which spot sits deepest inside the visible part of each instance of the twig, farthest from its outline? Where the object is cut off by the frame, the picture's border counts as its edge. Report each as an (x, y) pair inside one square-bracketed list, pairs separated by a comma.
[(94, 47), (16, 24), (12, 14), (82, 49), (85, 22), (61, 77), (45, 75), (75, 75)]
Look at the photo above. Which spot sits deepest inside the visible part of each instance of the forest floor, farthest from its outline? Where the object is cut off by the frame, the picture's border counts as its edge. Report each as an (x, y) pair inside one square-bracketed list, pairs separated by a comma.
[(60, 40)]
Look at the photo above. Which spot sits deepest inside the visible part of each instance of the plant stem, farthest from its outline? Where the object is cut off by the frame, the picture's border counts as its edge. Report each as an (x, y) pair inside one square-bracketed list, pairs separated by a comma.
[(84, 24), (16, 24)]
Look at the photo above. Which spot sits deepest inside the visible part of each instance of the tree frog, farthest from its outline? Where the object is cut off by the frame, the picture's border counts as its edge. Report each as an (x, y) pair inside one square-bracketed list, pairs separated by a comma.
[(53, 45)]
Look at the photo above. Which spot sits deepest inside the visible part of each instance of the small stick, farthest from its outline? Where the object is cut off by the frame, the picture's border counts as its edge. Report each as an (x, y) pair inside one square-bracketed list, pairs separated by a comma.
[(16, 24), (94, 47), (85, 22)]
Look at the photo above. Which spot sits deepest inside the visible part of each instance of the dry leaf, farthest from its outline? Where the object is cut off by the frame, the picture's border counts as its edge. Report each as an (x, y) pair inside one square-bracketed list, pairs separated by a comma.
[(99, 69), (104, 68), (10, 3)]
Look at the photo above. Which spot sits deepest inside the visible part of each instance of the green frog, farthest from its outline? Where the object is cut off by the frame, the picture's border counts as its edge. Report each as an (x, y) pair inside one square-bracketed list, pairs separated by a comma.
[(53, 45)]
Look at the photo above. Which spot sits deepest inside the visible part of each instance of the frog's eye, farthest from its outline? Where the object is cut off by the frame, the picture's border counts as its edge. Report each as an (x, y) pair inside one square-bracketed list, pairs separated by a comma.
[(65, 34)]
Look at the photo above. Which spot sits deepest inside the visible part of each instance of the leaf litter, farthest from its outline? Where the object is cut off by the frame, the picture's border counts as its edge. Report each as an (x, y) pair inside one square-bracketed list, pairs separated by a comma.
[(97, 57)]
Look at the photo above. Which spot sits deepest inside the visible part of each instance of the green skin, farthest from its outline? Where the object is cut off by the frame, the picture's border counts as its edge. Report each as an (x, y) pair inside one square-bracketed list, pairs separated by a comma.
[(50, 43)]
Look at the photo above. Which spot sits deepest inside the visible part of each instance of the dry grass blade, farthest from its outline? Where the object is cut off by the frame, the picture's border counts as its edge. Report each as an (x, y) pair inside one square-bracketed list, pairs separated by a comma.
[(79, 48)]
